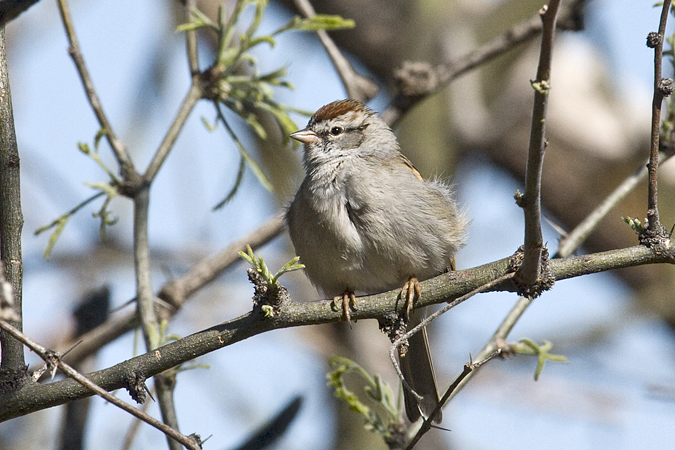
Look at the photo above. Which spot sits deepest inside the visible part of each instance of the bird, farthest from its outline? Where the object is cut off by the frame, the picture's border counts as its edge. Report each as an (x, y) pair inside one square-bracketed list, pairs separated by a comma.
[(364, 220)]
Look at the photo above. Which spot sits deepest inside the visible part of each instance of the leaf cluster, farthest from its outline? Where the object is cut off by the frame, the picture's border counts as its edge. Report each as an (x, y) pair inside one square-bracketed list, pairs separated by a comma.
[(385, 424), (109, 189), (235, 81)]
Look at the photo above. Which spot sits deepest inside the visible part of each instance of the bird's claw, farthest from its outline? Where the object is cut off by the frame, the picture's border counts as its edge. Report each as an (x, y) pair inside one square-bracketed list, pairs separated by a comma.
[(410, 290), (348, 300)]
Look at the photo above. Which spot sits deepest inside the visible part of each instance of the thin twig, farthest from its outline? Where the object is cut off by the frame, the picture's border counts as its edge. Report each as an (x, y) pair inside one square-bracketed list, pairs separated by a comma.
[(145, 300), (570, 243), (531, 201), (427, 320), (53, 359), (189, 102), (191, 43), (165, 384), (660, 91), (121, 152), (130, 436), (178, 290), (358, 86), (469, 368)]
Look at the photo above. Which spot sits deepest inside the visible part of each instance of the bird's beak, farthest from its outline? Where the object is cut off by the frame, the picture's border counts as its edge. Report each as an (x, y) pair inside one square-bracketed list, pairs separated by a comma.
[(305, 136)]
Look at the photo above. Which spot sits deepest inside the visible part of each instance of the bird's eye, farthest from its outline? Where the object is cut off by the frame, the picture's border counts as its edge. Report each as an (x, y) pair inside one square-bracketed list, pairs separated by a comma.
[(336, 131)]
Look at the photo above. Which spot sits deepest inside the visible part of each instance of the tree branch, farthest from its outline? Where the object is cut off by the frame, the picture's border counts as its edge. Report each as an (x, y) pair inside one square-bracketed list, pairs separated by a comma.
[(191, 44), (569, 243), (358, 87), (662, 88), (53, 360), (12, 364), (191, 99), (530, 270), (443, 288), (449, 71), (176, 291), (120, 151)]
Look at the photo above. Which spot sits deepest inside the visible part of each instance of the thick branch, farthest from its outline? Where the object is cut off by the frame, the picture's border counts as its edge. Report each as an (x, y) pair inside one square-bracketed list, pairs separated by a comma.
[(447, 72), (531, 201), (437, 290), (13, 366)]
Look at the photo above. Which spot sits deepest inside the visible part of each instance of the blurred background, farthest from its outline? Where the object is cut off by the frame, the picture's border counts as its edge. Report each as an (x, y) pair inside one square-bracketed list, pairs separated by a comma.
[(618, 389)]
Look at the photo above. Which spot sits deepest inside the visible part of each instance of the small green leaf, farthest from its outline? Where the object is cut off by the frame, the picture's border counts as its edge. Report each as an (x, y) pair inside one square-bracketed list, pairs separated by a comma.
[(84, 148), (209, 126), (376, 390), (197, 20), (97, 139), (60, 223), (317, 22), (528, 347), (635, 224), (230, 195)]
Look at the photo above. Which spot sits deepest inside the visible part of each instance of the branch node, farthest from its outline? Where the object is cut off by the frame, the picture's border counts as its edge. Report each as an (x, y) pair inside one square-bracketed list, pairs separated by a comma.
[(656, 238), (666, 86), (416, 79), (653, 39), (134, 383), (394, 326), (519, 197), (543, 283), (267, 299)]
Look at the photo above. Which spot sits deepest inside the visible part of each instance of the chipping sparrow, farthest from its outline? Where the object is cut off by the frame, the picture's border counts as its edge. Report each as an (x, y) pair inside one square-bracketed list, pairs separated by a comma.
[(364, 220)]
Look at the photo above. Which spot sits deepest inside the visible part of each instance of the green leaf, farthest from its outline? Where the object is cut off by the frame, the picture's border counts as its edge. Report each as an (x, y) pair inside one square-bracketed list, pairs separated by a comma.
[(230, 195), (97, 139), (60, 223), (376, 390), (209, 126), (635, 224), (84, 148), (317, 22), (528, 347), (197, 20)]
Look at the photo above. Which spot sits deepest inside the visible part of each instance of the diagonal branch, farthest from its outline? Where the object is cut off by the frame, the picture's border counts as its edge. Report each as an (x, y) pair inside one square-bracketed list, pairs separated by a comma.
[(53, 360), (443, 288), (189, 102), (121, 152), (178, 290), (358, 87), (449, 71)]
